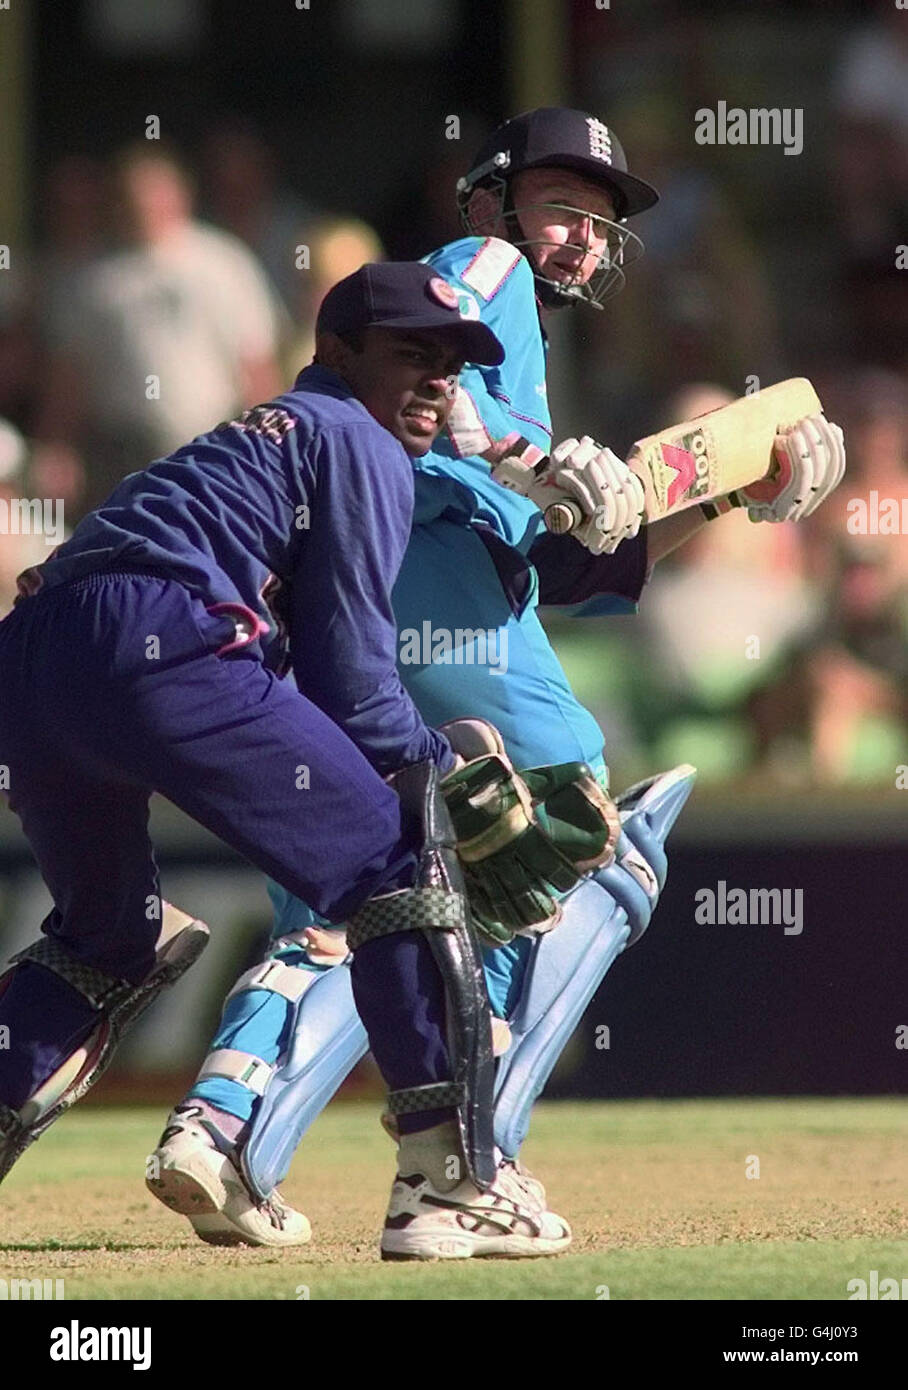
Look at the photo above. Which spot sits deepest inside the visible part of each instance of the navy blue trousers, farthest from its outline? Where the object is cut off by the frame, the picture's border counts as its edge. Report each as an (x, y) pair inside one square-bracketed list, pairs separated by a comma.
[(110, 688)]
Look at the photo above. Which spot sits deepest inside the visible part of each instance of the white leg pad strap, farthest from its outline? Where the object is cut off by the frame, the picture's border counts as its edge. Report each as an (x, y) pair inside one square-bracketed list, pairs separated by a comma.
[(228, 1062), (286, 980), (501, 1036)]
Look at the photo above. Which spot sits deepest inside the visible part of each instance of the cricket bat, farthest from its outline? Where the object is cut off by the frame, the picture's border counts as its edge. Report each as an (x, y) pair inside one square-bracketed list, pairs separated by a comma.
[(696, 461)]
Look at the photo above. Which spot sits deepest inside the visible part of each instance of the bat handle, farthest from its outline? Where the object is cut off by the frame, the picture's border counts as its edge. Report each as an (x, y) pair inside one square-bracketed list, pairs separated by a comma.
[(521, 470), (561, 518)]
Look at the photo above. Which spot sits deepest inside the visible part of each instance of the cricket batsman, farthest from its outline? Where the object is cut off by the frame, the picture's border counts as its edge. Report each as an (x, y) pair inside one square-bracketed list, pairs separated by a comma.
[(546, 205), (145, 654)]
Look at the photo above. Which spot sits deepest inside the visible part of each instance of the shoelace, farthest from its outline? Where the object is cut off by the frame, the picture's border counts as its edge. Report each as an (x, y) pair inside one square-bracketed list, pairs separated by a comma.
[(276, 1212), (526, 1184)]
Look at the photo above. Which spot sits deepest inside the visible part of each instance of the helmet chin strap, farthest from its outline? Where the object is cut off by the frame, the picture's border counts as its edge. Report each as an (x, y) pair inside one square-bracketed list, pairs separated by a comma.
[(550, 297)]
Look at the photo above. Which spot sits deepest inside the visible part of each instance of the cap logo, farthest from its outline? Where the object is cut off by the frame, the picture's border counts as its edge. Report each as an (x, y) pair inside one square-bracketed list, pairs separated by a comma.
[(442, 292), (600, 140)]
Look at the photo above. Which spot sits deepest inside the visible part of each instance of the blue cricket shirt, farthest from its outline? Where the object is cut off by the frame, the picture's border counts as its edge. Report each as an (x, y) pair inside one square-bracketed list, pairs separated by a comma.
[(300, 510)]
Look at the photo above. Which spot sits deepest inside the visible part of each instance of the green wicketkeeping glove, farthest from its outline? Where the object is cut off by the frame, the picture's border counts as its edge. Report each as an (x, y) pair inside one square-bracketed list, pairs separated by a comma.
[(580, 818), (515, 854)]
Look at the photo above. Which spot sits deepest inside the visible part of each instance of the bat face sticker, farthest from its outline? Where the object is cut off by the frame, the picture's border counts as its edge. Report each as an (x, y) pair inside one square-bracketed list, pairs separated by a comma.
[(688, 458)]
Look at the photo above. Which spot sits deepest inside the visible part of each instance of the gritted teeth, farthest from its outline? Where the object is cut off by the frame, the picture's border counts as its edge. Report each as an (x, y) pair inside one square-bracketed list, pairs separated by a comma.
[(427, 410)]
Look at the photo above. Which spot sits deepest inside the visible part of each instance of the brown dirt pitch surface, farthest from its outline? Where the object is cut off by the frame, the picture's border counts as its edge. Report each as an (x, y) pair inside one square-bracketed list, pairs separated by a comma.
[(663, 1197)]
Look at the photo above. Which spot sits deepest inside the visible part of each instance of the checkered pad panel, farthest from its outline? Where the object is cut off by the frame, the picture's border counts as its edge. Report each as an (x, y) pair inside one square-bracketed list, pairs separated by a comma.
[(99, 989), (419, 909), (439, 1096)]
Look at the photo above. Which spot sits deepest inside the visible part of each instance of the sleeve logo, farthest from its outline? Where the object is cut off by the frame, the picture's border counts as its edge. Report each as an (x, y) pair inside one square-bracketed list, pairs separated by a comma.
[(272, 422), (468, 305)]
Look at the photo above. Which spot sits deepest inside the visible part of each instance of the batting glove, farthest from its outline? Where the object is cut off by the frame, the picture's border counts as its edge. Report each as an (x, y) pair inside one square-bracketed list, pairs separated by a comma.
[(810, 464), (609, 495)]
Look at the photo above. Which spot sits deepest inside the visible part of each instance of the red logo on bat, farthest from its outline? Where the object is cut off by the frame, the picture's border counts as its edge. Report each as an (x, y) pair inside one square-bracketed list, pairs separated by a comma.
[(684, 465)]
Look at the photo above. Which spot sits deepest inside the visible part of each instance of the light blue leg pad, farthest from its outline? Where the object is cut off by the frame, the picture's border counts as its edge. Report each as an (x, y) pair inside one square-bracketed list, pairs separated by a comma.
[(564, 972), (328, 1040), (600, 918), (257, 1021), (286, 1042), (254, 1022)]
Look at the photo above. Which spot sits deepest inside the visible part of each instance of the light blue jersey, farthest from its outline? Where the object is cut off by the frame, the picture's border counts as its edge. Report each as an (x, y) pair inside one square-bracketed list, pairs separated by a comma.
[(494, 282)]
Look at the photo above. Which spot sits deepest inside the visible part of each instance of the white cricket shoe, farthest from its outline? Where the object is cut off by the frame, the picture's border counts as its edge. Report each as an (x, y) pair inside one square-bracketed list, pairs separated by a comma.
[(523, 1186), (424, 1224), (517, 1182), (191, 1176)]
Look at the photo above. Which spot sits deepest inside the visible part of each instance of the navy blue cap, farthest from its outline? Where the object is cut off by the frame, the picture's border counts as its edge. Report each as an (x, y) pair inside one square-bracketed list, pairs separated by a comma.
[(406, 295), (559, 137)]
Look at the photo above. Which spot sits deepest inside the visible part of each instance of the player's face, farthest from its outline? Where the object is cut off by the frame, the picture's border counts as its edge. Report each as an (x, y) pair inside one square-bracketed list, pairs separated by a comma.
[(406, 380), (566, 245)]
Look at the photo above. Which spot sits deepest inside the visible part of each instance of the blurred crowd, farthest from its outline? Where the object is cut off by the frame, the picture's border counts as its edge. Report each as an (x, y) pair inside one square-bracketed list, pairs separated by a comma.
[(775, 653), (166, 292), (142, 321)]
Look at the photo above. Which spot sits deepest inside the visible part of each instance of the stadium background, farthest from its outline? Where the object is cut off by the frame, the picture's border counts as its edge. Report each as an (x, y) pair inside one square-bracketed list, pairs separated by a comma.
[(759, 265)]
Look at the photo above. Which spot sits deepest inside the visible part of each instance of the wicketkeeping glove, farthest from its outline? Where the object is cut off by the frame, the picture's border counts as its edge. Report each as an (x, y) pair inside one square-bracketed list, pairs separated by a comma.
[(581, 819), (522, 838)]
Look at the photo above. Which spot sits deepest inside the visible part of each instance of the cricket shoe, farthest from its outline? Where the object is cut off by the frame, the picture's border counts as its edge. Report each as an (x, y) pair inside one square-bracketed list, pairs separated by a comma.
[(520, 1184), (516, 1181), (189, 1174), (424, 1224)]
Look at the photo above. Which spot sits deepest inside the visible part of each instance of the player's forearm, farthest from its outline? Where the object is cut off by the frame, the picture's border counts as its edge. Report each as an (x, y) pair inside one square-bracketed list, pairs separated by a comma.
[(569, 574), (382, 722), (343, 631)]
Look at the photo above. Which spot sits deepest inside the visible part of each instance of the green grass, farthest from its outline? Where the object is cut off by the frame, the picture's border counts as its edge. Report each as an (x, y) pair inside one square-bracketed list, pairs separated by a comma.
[(657, 1193)]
